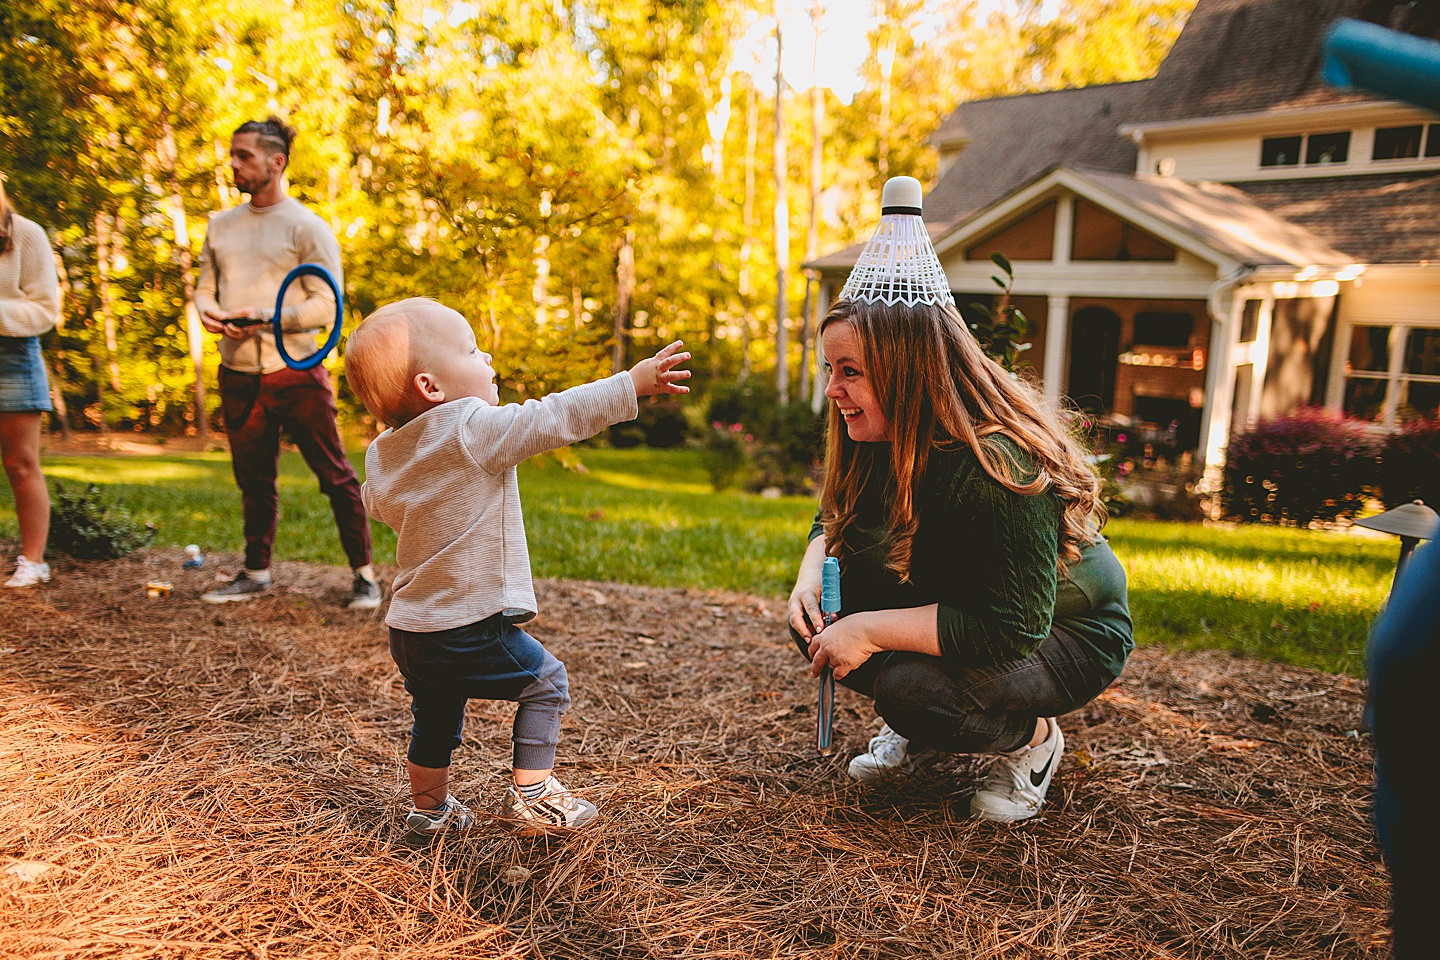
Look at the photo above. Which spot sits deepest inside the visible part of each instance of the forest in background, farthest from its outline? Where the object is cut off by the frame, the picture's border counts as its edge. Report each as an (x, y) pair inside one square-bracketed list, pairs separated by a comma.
[(583, 180)]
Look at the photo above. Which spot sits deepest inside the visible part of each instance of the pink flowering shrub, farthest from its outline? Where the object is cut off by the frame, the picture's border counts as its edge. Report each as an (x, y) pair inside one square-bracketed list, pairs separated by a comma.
[(1309, 466)]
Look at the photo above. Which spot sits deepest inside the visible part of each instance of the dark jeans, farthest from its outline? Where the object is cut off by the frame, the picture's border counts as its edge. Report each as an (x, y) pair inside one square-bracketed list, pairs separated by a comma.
[(257, 408), (489, 660), (978, 709), (1404, 658)]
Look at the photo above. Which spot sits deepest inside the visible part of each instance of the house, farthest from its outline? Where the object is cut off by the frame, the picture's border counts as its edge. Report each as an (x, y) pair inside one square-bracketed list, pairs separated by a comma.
[(1226, 241)]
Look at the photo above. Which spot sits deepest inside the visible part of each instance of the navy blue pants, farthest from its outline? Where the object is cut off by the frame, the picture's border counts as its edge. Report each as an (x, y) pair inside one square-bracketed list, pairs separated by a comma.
[(978, 709), (489, 660), (1404, 659)]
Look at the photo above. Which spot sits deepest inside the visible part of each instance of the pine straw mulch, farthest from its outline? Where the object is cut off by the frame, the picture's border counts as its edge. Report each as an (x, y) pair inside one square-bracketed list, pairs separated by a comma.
[(190, 781)]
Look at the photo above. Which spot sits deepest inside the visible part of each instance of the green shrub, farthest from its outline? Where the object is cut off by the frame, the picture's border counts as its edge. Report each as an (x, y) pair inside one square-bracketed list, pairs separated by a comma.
[(86, 526), (726, 453), (788, 460), (1312, 465), (660, 423), (785, 442), (1410, 464), (662, 419)]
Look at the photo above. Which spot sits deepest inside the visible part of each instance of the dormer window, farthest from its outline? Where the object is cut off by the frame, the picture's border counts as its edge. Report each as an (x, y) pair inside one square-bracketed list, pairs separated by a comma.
[(1280, 151), (1328, 147), (1317, 148), (1432, 140), (1397, 143)]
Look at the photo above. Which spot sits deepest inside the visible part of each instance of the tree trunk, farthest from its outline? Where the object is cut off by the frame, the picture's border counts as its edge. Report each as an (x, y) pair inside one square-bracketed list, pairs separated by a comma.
[(57, 385), (223, 192), (624, 291), (812, 231), (782, 228), (887, 65), (747, 318), (57, 400), (180, 225), (107, 317), (540, 293)]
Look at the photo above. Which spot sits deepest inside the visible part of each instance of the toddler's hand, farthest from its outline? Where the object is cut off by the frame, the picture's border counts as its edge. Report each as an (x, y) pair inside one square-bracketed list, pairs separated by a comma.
[(658, 374)]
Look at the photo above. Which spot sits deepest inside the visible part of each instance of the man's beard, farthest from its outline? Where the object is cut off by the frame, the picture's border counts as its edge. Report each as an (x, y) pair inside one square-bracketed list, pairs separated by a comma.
[(252, 187)]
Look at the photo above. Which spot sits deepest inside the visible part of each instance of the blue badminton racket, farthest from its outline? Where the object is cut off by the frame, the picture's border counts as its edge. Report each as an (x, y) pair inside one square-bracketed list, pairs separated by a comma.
[(316, 358)]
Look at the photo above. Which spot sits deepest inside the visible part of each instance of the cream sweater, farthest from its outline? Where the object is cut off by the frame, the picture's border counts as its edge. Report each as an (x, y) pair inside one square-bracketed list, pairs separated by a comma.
[(445, 482), (247, 253), (29, 289)]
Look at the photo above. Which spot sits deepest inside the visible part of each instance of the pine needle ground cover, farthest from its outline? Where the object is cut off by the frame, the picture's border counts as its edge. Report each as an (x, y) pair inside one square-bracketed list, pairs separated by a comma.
[(179, 780), (649, 517)]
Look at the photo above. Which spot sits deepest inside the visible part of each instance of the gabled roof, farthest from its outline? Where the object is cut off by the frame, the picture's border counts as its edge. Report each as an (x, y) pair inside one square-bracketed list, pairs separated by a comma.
[(1210, 220), (1380, 219), (1252, 56), (1011, 139), (1219, 217)]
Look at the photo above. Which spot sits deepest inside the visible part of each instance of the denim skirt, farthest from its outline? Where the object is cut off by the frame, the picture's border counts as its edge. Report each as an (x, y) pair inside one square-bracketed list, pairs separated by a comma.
[(24, 388)]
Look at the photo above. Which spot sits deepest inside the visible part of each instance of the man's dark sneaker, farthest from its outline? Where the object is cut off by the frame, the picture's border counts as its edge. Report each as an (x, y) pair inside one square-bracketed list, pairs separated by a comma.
[(243, 587), (365, 594)]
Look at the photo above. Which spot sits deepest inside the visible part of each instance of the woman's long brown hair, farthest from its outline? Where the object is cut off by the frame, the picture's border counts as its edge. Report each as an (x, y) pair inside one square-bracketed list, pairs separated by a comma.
[(938, 388)]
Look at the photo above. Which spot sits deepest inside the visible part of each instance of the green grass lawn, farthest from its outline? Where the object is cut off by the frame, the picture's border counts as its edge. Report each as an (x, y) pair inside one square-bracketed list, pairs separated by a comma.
[(650, 517)]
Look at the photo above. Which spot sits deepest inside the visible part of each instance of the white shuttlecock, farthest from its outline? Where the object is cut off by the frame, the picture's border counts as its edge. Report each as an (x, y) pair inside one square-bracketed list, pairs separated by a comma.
[(899, 264)]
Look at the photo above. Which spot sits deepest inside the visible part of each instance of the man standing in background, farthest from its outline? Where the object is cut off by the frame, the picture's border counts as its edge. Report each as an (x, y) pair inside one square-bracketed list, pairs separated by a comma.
[(248, 251)]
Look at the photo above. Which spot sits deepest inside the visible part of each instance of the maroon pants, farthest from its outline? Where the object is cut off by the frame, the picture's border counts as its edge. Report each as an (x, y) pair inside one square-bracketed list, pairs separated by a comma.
[(257, 408)]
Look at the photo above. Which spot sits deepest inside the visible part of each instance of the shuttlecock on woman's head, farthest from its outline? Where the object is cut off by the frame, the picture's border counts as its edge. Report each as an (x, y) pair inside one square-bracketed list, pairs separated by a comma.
[(899, 264)]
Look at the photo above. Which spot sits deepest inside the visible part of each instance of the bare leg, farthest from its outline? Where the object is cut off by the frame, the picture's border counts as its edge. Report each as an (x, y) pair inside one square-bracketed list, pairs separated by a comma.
[(20, 446), (524, 778), (1042, 730), (429, 786)]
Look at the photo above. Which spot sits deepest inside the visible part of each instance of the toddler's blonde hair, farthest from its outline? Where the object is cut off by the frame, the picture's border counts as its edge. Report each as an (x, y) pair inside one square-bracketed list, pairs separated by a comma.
[(383, 356)]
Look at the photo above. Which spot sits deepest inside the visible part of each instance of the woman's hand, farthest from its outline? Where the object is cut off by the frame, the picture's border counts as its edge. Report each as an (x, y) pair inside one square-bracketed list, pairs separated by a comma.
[(805, 598), (843, 646)]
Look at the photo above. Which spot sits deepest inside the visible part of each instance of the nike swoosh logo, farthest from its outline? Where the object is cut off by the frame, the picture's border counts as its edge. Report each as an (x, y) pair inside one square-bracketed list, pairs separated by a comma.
[(1037, 777)]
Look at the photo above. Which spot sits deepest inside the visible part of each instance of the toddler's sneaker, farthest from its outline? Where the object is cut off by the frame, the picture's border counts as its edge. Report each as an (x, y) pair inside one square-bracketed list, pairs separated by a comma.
[(452, 816), (555, 808), (890, 753), (243, 587), (28, 573), (1015, 787)]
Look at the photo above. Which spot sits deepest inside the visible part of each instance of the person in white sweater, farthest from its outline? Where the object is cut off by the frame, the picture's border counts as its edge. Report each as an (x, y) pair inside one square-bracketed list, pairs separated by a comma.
[(443, 477), (29, 304)]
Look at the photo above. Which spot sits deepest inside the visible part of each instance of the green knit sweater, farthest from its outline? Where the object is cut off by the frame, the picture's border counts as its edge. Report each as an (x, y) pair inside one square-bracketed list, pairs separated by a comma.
[(987, 557)]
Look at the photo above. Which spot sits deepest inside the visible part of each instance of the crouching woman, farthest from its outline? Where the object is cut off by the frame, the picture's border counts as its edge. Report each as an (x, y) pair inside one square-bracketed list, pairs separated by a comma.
[(980, 602)]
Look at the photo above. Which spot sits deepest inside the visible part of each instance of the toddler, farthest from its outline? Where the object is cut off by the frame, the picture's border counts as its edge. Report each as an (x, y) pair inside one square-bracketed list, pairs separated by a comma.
[(443, 477)]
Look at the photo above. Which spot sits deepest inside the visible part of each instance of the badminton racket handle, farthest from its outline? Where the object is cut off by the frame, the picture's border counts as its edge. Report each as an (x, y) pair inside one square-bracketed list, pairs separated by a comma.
[(825, 708)]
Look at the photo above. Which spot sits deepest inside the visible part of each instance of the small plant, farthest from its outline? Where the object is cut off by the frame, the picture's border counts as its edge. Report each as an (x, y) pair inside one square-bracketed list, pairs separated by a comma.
[(1312, 465), (86, 526), (726, 453), (1002, 331), (1410, 464)]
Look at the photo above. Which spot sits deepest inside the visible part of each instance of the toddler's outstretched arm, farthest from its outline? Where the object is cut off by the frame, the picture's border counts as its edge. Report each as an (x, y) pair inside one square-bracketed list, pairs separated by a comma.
[(658, 374)]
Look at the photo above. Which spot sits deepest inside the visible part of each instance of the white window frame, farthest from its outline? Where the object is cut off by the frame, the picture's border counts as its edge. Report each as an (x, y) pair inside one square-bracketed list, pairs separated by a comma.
[(1394, 374)]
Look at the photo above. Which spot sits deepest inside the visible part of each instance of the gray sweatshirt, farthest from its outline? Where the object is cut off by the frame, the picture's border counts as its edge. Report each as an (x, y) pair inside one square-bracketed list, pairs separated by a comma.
[(445, 482)]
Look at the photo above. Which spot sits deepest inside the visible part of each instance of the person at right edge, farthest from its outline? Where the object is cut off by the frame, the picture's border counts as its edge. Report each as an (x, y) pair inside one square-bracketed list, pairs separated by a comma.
[(980, 602), (1403, 661)]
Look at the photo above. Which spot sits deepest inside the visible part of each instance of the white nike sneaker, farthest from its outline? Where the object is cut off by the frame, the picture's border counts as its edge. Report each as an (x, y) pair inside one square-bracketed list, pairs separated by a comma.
[(1017, 782), (890, 753)]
